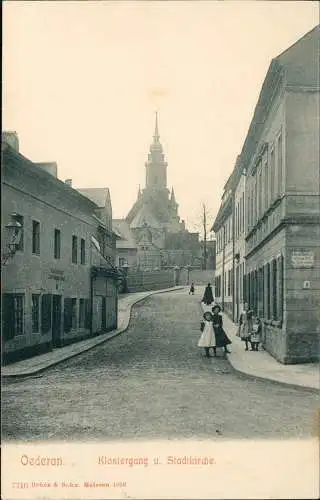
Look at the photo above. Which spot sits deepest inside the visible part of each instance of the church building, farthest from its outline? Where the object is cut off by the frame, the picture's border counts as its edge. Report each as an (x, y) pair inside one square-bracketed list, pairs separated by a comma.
[(152, 236)]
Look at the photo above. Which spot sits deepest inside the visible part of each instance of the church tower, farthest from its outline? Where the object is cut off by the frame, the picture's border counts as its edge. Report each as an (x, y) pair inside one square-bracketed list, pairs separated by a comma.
[(156, 167)]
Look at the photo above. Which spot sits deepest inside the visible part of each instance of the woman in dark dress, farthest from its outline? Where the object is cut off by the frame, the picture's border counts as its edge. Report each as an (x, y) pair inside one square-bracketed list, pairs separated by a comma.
[(208, 295), (222, 340)]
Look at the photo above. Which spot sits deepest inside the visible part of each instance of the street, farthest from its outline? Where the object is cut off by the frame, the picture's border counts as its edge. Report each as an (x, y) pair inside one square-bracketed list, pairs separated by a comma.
[(152, 381)]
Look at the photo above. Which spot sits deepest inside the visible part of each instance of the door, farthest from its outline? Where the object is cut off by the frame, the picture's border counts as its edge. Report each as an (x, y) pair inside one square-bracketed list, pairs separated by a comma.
[(56, 320)]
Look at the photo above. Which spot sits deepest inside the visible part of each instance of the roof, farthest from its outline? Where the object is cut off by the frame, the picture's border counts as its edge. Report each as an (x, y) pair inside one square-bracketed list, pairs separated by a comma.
[(99, 196), (122, 229), (11, 155), (301, 60), (144, 217)]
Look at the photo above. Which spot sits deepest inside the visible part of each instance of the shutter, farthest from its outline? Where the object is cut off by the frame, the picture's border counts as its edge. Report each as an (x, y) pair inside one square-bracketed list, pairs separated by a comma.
[(67, 315), (87, 314), (7, 316), (46, 312)]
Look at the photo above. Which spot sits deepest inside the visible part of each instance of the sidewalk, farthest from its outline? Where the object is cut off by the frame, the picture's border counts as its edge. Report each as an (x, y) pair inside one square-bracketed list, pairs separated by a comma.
[(260, 364), (37, 364)]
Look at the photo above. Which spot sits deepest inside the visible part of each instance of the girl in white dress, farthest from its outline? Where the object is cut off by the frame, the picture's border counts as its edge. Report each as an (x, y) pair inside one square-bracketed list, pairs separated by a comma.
[(207, 338)]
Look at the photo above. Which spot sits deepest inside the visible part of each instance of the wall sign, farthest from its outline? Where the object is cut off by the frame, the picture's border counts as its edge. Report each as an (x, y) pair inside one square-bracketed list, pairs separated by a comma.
[(302, 258), (56, 274)]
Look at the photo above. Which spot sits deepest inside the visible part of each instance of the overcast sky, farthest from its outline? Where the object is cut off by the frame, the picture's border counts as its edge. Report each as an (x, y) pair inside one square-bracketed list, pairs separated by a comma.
[(82, 81)]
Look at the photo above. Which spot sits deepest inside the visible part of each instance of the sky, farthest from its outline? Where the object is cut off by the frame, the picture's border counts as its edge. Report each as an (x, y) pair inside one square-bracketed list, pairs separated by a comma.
[(82, 81)]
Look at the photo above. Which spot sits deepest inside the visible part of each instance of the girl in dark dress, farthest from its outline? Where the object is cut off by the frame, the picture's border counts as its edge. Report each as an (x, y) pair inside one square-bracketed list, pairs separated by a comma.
[(222, 340)]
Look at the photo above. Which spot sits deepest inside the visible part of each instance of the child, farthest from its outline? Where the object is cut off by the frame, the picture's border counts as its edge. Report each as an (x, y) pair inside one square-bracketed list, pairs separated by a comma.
[(255, 337), (245, 325), (207, 338), (191, 291)]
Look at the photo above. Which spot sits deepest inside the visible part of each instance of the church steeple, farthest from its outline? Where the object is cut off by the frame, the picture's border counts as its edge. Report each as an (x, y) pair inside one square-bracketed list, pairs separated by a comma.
[(172, 197), (156, 167), (156, 136)]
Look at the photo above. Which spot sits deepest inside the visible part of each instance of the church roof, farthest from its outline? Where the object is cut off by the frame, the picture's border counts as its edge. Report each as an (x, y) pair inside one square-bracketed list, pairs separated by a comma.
[(144, 217), (122, 229), (99, 196)]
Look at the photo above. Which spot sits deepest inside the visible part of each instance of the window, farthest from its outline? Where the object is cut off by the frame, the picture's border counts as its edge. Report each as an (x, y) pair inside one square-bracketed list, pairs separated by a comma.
[(267, 309), (280, 288), (12, 315), (266, 185), (74, 313), (36, 237), (274, 290), (229, 283), (218, 286), (74, 249), (57, 243), (35, 313), (83, 251), (20, 219), (272, 175), (82, 313), (46, 313)]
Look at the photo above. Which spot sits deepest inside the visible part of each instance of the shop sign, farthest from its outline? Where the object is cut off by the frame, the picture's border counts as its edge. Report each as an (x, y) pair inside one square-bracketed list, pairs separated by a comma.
[(302, 258)]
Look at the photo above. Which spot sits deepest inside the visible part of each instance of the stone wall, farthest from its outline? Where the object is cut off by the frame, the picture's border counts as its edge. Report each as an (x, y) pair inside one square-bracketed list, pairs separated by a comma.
[(138, 281)]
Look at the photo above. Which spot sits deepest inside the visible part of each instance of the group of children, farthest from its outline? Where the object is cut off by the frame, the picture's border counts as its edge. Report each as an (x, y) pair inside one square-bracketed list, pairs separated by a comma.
[(250, 329), (212, 333)]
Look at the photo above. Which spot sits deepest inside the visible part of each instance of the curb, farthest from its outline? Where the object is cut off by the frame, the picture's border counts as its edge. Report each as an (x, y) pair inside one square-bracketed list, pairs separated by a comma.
[(113, 334), (272, 380)]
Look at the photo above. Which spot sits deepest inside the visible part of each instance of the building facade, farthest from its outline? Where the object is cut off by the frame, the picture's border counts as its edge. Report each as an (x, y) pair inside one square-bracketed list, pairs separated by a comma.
[(60, 285), (280, 157), (223, 228), (239, 248)]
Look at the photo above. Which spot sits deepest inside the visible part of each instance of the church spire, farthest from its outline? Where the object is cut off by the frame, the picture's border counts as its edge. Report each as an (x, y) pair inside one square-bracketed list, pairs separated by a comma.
[(156, 166), (172, 198), (156, 136)]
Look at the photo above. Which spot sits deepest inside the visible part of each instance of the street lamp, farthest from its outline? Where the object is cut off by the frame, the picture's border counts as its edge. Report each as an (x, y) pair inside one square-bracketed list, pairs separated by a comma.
[(14, 236)]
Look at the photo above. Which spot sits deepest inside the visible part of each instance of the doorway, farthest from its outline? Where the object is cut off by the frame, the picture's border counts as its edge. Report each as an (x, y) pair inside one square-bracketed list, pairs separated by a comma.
[(56, 320)]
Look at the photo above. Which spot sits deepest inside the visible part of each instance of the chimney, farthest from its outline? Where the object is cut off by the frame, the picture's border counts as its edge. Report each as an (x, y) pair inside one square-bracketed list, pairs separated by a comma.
[(50, 167), (68, 182), (11, 138)]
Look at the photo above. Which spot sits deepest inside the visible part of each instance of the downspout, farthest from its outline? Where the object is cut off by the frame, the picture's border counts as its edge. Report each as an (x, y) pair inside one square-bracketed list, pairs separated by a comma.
[(223, 259), (233, 247), (91, 302)]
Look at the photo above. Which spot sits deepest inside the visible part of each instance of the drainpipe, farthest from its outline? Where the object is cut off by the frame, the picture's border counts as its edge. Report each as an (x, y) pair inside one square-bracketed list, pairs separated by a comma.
[(233, 256), (223, 265), (91, 302)]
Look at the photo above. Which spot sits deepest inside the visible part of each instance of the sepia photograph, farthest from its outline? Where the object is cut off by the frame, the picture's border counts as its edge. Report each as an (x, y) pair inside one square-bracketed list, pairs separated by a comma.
[(160, 249)]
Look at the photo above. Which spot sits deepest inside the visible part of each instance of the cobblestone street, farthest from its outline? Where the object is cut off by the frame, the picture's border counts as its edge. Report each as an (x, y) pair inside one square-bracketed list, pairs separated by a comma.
[(153, 381)]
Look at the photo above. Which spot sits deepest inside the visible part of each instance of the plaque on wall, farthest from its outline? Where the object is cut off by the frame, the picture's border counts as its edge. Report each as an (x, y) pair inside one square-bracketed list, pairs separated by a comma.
[(302, 258)]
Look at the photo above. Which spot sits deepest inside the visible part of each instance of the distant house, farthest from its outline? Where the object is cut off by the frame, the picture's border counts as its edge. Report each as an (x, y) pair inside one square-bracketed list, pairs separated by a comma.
[(126, 247)]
